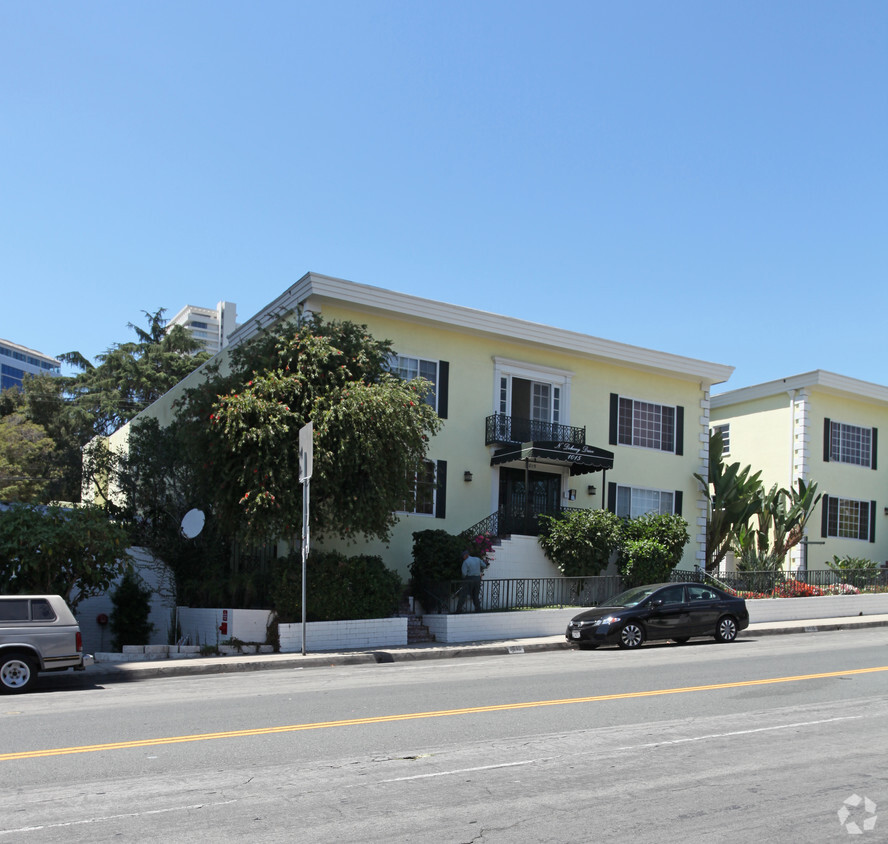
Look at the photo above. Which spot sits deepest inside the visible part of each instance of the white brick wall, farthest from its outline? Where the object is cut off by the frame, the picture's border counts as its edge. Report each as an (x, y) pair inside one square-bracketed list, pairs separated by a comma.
[(344, 635), (201, 626), (489, 626)]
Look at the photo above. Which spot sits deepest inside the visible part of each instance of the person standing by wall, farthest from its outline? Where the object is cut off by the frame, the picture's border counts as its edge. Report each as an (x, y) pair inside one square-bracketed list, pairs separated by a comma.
[(471, 572)]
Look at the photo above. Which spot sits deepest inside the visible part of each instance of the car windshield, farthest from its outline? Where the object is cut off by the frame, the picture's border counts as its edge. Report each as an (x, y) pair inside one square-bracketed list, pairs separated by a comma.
[(630, 597)]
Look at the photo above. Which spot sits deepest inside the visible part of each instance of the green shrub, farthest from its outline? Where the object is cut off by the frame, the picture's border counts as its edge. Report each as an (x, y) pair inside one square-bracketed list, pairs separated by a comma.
[(651, 547), (644, 561), (669, 530), (580, 542), (437, 557), (857, 571), (337, 587), (848, 563), (131, 603)]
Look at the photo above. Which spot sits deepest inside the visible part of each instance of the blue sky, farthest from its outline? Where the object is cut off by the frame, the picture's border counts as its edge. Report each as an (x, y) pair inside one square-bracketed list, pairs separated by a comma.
[(707, 179)]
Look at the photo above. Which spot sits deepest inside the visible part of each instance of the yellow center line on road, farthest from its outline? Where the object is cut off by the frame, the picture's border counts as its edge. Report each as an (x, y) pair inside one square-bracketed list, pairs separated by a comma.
[(410, 716)]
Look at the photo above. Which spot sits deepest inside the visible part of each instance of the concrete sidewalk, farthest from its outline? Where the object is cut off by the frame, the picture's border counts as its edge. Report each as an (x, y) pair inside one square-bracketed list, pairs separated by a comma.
[(129, 671)]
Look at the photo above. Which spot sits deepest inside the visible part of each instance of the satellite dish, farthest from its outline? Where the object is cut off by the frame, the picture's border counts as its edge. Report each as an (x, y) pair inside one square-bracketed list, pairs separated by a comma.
[(192, 523)]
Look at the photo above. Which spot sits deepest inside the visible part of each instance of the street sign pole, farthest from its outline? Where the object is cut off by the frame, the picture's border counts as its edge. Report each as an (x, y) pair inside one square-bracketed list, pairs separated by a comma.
[(306, 458)]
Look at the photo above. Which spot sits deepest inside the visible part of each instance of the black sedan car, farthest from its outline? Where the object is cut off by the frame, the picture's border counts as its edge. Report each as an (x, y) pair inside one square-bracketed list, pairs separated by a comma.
[(674, 611)]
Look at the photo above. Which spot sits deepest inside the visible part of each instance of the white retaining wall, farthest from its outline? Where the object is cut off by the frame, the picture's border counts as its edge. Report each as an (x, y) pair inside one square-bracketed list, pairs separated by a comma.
[(344, 635), (488, 626), (821, 606), (212, 626)]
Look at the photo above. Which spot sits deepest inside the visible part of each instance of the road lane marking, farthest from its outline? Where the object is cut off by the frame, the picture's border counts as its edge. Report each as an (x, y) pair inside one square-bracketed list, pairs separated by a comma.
[(734, 733), (412, 716), (465, 771), (63, 824)]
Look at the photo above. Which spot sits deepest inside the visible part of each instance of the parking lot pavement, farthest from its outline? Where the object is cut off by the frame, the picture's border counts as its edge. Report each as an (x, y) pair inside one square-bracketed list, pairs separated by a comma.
[(124, 671)]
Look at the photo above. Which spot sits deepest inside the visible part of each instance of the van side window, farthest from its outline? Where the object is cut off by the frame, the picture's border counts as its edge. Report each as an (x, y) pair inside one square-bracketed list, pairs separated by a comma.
[(13, 609)]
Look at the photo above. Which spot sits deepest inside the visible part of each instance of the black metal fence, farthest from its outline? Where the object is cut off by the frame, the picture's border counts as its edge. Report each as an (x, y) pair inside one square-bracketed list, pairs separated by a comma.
[(794, 583), (520, 593)]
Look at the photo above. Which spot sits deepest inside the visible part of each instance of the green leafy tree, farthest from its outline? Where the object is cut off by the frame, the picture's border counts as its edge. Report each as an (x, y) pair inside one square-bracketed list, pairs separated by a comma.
[(25, 453), (580, 542), (371, 432), (76, 553), (73, 411), (733, 498), (130, 376), (782, 516), (131, 606)]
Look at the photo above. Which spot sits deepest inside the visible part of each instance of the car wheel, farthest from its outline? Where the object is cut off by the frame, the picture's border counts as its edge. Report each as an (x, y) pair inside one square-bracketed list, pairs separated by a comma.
[(681, 640), (17, 673), (726, 630), (631, 635)]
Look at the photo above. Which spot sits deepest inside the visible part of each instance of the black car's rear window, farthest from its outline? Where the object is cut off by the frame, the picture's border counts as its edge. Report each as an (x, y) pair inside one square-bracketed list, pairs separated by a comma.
[(18, 609)]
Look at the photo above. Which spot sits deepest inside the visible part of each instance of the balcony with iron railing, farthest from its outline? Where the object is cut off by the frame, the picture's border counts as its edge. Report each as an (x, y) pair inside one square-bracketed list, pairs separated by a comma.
[(501, 429)]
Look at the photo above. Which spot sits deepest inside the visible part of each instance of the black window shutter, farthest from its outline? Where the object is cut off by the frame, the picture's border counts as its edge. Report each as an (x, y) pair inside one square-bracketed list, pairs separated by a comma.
[(824, 521), (612, 497), (614, 418), (443, 387), (874, 448), (872, 522), (679, 430), (441, 495), (826, 439), (679, 499)]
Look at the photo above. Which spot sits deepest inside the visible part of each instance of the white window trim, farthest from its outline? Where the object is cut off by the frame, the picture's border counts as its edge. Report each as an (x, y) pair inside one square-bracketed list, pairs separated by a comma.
[(850, 462), (509, 368), (838, 499), (632, 487), (437, 361), (634, 399), (434, 513)]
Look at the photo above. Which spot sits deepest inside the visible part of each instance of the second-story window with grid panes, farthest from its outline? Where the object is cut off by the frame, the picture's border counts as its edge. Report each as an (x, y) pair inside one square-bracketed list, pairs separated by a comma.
[(850, 444), (646, 425), (408, 368)]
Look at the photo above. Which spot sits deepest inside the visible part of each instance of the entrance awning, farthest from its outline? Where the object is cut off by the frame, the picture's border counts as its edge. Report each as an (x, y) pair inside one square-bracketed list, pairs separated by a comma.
[(581, 459)]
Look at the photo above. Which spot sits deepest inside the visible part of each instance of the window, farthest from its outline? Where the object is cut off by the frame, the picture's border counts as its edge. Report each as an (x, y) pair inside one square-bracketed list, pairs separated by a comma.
[(848, 518), (14, 609), (725, 431), (408, 368), (632, 502), (429, 490), (646, 425), (849, 444)]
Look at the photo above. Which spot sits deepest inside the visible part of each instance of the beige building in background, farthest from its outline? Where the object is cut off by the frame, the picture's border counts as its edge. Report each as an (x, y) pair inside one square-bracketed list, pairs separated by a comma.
[(819, 427)]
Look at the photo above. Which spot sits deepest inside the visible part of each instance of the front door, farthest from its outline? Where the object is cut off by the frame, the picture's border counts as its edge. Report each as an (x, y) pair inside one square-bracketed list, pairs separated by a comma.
[(519, 510)]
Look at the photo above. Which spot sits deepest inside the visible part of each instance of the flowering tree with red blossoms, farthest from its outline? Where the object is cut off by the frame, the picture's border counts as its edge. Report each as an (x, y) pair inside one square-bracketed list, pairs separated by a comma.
[(371, 431)]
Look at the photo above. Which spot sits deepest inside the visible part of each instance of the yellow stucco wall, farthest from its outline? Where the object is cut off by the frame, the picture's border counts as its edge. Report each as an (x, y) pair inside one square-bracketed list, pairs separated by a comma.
[(762, 436), (473, 396)]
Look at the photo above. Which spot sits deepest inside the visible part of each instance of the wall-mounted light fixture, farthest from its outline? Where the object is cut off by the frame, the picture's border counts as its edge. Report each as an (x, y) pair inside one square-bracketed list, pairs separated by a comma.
[(467, 476), (591, 489)]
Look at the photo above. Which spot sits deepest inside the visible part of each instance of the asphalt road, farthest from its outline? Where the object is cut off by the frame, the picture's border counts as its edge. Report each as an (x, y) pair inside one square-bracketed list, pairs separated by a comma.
[(761, 740)]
